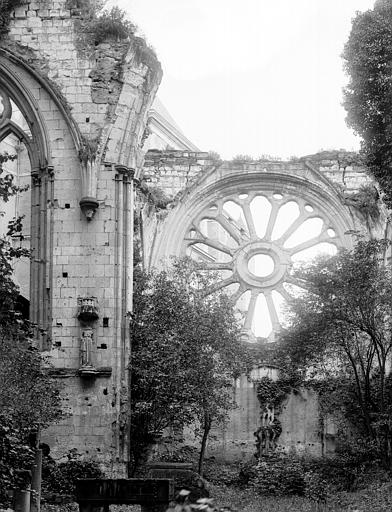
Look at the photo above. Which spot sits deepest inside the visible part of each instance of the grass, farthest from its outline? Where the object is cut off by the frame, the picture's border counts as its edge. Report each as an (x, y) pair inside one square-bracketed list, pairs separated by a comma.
[(376, 498)]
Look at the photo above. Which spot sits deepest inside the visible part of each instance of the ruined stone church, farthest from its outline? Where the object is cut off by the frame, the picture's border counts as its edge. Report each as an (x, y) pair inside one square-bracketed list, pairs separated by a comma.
[(92, 141)]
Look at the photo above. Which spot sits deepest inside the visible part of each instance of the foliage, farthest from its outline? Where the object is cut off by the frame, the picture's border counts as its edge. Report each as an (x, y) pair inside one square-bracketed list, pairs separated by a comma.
[(221, 473), (182, 503), (261, 158), (6, 8), (247, 472), (15, 456), (214, 156), (111, 24), (183, 454), (29, 398), (155, 195), (343, 471), (315, 487), (273, 393), (279, 475), (185, 352), (376, 498), (283, 474), (60, 478), (368, 96), (242, 158), (366, 201), (339, 337)]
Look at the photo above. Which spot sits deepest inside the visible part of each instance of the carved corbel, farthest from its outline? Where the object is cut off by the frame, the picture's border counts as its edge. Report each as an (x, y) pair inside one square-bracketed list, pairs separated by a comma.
[(88, 309), (90, 163), (125, 171)]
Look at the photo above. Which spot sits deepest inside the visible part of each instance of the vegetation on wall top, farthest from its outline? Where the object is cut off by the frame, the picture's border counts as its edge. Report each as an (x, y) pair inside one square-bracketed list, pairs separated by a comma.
[(368, 96), (6, 8), (98, 25), (102, 24)]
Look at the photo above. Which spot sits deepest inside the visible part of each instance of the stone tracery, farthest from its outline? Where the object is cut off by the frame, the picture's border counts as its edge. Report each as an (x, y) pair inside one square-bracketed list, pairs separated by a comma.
[(253, 239)]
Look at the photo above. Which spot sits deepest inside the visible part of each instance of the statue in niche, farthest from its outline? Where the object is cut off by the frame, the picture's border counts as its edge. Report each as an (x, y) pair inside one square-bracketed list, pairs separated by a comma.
[(269, 431), (86, 349)]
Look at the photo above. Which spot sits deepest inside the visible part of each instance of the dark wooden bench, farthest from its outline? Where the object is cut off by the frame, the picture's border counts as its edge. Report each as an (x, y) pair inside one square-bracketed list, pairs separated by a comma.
[(96, 495)]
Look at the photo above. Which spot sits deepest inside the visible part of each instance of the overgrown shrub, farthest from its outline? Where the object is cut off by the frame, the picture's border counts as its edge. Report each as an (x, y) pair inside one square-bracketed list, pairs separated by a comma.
[(344, 472), (16, 456), (316, 488), (111, 24), (247, 472), (279, 475), (60, 478), (183, 454), (316, 478), (220, 474)]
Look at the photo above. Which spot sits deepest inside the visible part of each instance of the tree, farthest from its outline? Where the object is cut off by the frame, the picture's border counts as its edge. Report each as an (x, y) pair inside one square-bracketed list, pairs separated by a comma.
[(368, 96), (341, 337), (186, 351), (29, 398)]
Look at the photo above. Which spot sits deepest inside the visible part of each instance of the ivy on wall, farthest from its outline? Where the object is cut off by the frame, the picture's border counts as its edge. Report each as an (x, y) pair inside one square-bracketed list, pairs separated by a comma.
[(366, 201), (271, 395)]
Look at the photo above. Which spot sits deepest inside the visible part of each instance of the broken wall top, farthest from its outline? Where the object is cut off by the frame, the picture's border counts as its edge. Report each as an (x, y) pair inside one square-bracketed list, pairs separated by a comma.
[(106, 88)]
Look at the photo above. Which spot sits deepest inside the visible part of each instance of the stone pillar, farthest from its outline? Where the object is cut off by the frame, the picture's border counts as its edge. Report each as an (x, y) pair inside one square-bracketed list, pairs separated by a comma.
[(35, 505)]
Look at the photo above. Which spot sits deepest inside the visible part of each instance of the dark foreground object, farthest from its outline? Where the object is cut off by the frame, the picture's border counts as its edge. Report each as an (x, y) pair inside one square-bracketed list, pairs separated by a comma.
[(184, 478), (153, 494)]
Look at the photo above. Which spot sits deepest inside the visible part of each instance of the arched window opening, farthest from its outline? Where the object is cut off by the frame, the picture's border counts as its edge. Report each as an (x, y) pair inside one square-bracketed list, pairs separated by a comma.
[(14, 132), (22, 137)]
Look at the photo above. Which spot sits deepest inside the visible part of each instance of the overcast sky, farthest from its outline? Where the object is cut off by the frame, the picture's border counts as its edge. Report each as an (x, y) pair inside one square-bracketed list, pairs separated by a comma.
[(252, 76)]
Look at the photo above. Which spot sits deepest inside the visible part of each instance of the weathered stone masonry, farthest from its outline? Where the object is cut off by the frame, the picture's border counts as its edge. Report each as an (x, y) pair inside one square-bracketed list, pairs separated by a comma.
[(325, 185), (87, 108), (87, 111)]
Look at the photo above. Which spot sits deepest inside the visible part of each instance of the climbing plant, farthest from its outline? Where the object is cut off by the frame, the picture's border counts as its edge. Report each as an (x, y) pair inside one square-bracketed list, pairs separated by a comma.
[(271, 395), (366, 201)]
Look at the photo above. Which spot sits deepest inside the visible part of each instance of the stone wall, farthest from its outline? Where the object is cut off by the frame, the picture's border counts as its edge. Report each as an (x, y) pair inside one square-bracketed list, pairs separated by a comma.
[(87, 109), (299, 420), (329, 180), (173, 171)]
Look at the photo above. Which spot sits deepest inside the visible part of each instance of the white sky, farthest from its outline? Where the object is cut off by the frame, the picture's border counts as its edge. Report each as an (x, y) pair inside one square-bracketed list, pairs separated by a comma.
[(252, 76)]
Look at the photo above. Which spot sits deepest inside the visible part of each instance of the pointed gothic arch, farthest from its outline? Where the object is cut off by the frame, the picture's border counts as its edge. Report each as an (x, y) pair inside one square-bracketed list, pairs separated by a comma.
[(17, 97)]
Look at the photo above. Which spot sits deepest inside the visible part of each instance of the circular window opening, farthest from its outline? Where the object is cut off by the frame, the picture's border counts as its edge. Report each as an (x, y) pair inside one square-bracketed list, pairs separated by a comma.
[(261, 265)]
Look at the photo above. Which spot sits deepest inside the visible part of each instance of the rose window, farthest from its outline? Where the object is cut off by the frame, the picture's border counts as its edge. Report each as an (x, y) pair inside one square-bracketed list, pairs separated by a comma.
[(254, 239)]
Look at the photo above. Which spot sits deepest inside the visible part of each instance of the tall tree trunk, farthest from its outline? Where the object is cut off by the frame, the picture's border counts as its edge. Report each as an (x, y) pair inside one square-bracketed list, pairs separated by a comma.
[(206, 430)]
